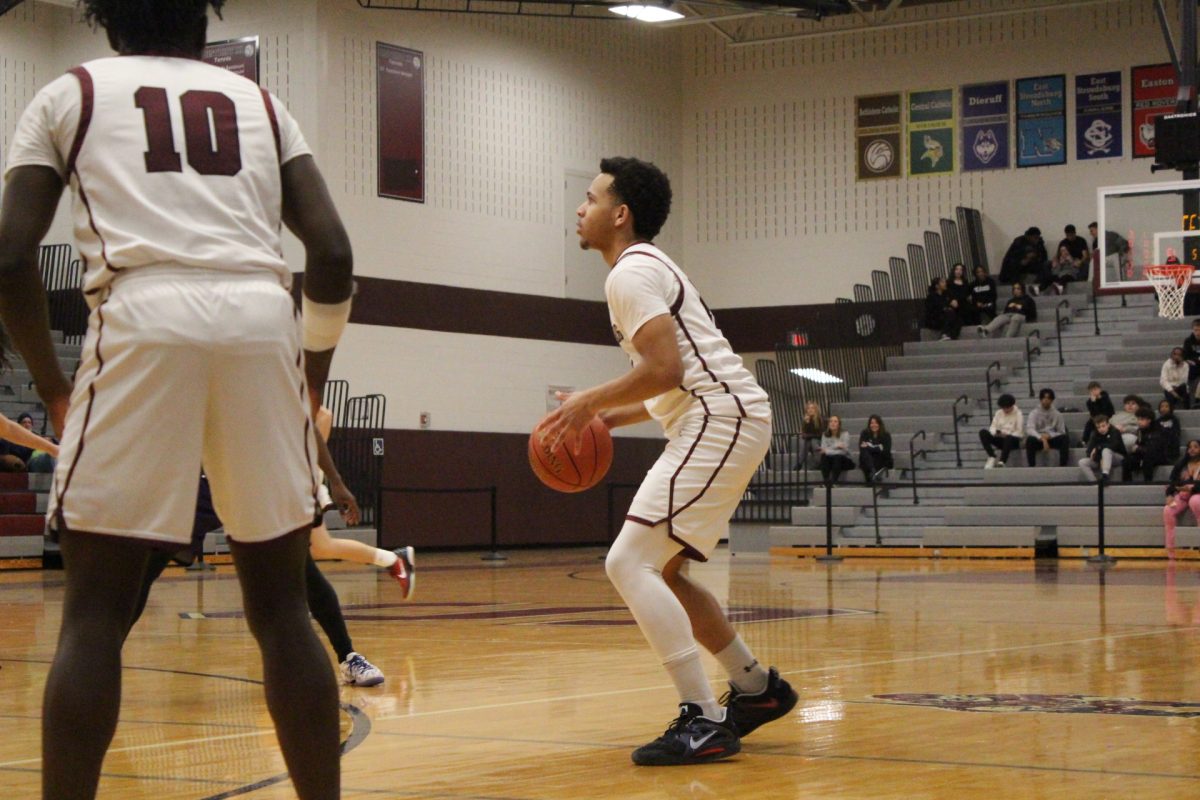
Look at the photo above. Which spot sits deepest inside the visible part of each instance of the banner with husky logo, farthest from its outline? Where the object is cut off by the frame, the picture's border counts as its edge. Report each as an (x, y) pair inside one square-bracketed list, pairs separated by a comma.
[(1042, 121), (931, 132), (877, 133), (986, 121), (1098, 116), (1153, 95)]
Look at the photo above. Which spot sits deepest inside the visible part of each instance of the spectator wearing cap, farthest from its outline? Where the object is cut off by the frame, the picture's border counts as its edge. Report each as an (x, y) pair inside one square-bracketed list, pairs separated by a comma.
[(1026, 256), (1008, 425), (1174, 380), (1105, 450), (1046, 429)]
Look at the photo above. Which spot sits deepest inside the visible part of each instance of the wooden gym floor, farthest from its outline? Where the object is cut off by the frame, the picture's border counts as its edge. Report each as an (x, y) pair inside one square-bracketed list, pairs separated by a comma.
[(528, 680)]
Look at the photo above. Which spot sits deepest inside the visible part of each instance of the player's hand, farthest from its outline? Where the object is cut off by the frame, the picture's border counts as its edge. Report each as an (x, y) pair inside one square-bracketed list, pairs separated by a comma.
[(568, 420), (343, 498)]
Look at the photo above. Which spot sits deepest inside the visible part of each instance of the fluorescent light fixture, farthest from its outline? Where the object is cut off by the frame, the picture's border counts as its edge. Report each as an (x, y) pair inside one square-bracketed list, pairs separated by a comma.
[(816, 375), (646, 13)]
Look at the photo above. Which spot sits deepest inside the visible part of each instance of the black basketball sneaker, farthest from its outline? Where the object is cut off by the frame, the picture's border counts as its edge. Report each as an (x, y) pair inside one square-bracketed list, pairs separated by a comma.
[(690, 739), (745, 712)]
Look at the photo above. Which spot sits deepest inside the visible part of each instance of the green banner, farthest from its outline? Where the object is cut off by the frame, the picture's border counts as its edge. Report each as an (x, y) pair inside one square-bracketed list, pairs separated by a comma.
[(931, 132)]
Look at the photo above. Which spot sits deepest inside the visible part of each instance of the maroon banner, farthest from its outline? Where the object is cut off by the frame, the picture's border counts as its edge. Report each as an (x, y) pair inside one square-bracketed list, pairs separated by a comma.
[(239, 56), (1153, 95), (400, 96)]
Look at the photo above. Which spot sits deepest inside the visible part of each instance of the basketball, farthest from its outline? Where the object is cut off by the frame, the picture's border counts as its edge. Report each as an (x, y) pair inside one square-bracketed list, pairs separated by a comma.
[(564, 470)]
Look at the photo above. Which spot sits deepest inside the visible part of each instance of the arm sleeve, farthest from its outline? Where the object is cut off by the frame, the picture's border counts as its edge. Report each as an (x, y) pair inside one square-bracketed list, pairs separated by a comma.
[(46, 130), (636, 295), (291, 140), (1163, 378)]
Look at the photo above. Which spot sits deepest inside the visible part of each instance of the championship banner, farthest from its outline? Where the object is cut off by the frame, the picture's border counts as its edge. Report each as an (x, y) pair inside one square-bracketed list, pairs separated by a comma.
[(400, 96), (877, 134), (1042, 121), (1153, 95), (1098, 116), (986, 121), (931, 132), (239, 56)]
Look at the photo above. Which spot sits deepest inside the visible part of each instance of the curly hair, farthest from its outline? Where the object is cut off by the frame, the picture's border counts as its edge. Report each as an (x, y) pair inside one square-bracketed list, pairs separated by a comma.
[(150, 25), (644, 188)]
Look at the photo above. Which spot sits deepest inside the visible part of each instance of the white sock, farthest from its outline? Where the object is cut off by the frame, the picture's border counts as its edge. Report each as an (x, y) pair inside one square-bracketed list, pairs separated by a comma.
[(687, 673), (743, 669), (385, 558)]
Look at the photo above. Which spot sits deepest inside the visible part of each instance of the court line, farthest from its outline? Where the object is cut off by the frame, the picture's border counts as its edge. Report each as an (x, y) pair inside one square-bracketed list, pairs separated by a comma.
[(805, 671)]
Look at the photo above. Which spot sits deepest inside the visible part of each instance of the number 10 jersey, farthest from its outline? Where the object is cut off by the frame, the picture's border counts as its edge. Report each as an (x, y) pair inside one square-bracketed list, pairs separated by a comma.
[(172, 162)]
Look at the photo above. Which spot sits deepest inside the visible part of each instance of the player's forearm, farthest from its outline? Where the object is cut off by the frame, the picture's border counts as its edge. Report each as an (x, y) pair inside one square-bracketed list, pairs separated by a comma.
[(24, 310), (630, 414), (644, 381), (325, 461), (17, 434)]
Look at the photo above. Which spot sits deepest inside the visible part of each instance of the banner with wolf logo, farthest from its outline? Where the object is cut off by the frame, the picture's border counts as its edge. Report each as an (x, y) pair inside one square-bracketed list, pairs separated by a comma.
[(1098, 116), (986, 122), (1042, 121), (931, 132), (1153, 95), (877, 133)]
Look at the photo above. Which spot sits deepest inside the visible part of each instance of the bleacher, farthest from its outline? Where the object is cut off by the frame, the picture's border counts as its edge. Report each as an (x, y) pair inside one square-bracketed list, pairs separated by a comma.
[(917, 392)]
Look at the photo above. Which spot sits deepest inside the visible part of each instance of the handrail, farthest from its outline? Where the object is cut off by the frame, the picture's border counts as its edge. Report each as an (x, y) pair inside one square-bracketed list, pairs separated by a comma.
[(992, 382), (875, 491), (1096, 312), (1059, 321), (1029, 351), (962, 398), (912, 462)]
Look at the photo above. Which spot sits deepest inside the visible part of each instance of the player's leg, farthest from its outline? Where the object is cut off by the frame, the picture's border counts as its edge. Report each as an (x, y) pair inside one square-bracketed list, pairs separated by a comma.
[(300, 689), (327, 611), (83, 689), (635, 566), (155, 564), (400, 563)]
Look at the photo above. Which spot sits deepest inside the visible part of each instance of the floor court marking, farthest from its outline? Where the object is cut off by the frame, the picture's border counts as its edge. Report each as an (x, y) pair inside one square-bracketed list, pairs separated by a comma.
[(805, 671)]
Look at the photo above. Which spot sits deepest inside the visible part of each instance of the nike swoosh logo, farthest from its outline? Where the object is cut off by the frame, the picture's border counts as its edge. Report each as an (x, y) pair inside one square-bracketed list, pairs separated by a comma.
[(696, 744)]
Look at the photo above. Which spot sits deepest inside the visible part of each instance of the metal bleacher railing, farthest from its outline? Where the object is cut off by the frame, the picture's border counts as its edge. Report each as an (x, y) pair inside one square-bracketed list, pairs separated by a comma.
[(356, 443), (62, 276)]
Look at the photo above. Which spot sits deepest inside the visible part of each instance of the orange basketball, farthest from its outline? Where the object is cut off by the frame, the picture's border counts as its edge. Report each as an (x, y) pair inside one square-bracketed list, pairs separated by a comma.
[(564, 470)]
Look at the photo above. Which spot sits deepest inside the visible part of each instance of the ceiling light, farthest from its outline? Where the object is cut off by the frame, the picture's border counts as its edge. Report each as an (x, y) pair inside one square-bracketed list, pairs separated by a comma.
[(817, 375), (646, 13)]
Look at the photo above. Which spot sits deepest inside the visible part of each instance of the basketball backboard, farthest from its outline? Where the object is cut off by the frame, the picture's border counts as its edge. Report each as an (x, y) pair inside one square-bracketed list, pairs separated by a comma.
[(1144, 224)]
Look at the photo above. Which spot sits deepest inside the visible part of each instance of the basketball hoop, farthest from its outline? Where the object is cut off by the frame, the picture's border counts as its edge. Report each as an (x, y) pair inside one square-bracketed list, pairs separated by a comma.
[(1171, 282)]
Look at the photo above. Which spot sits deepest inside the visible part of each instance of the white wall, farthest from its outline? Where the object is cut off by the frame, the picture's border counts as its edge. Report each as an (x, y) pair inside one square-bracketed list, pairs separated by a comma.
[(772, 212)]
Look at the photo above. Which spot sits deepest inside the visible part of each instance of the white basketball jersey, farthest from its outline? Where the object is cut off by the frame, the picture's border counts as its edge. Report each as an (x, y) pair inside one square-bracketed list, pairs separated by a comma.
[(645, 283), (172, 162)]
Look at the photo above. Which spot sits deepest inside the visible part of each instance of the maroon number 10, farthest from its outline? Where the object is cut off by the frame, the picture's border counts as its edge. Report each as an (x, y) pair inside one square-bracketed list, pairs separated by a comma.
[(210, 132)]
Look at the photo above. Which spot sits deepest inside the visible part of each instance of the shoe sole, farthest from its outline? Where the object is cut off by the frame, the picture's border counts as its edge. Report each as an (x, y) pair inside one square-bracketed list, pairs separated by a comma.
[(370, 682), (410, 569), (727, 751)]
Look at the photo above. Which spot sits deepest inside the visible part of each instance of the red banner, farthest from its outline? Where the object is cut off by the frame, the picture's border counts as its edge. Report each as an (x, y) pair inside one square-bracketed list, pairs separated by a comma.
[(400, 93), (1153, 95)]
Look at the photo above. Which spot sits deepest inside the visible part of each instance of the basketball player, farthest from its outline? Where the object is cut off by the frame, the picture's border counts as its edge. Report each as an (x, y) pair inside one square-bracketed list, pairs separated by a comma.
[(182, 174), (718, 421)]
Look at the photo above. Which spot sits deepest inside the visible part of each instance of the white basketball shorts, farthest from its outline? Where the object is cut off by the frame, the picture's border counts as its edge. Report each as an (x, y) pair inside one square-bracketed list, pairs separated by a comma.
[(184, 367), (698, 481)]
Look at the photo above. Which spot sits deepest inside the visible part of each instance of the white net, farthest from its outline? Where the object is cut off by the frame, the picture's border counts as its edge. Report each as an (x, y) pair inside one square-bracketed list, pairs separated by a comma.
[(1171, 284)]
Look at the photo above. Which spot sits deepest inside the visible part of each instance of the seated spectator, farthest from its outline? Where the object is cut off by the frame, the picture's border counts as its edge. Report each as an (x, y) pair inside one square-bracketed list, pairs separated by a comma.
[(1170, 427), (1025, 256), (1098, 403), (940, 315), (1008, 425), (1077, 246), (983, 296), (1063, 269), (812, 425), (1191, 355), (1019, 309), (1174, 380), (1181, 493), (1125, 420), (835, 451), (958, 289), (874, 449), (1045, 430), (1106, 449), (20, 443), (1149, 449)]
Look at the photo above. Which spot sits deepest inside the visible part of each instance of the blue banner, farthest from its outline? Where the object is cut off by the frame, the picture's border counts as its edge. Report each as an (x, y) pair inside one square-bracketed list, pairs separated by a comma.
[(1098, 116), (1041, 121), (986, 121)]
